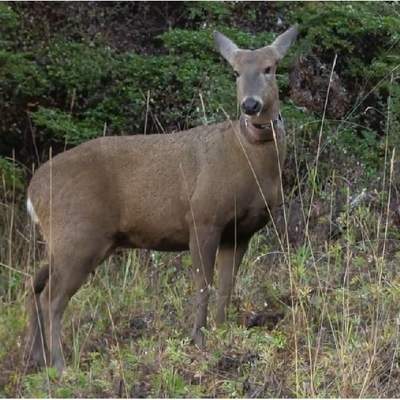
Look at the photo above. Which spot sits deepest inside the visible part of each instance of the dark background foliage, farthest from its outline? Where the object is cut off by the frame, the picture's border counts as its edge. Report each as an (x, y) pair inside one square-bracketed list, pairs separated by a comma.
[(72, 71)]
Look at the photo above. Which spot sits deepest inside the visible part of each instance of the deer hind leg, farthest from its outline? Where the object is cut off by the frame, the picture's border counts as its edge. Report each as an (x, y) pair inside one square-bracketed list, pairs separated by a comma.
[(71, 266), (228, 262), (203, 248), (35, 344)]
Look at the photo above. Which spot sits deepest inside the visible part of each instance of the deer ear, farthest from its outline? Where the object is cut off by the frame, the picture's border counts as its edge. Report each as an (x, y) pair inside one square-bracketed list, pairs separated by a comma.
[(285, 40), (225, 46)]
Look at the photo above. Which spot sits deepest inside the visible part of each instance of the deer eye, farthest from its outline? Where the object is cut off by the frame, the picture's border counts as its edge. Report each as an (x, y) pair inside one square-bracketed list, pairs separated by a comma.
[(267, 70)]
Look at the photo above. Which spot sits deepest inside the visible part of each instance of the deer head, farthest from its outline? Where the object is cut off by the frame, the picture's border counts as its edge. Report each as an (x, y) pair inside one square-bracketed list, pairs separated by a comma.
[(257, 90)]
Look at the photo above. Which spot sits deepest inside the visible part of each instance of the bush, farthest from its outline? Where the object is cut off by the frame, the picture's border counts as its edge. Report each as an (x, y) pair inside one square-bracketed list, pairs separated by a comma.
[(365, 37), (11, 175), (8, 25)]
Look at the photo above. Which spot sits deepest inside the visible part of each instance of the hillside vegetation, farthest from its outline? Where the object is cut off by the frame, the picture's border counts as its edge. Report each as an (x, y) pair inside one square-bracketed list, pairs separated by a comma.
[(316, 310)]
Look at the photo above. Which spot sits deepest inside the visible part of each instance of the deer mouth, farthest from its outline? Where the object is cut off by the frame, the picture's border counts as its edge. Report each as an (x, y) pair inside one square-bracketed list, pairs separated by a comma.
[(259, 133), (262, 126)]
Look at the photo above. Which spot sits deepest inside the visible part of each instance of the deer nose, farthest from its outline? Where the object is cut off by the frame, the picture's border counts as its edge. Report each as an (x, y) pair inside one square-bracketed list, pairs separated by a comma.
[(251, 106)]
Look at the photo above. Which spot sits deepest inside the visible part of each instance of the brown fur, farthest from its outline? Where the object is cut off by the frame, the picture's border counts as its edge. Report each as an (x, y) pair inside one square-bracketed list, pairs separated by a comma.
[(195, 190)]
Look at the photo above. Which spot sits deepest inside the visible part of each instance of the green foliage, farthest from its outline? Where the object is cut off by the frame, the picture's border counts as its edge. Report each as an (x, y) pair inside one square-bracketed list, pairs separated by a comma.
[(62, 126), (20, 77), (8, 18), (208, 10), (11, 174), (36, 385), (170, 384), (8, 24), (366, 39), (364, 147), (200, 44), (354, 31), (81, 68), (11, 320)]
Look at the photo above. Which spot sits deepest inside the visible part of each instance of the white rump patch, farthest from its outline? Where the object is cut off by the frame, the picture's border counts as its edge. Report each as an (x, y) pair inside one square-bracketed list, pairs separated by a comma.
[(31, 211)]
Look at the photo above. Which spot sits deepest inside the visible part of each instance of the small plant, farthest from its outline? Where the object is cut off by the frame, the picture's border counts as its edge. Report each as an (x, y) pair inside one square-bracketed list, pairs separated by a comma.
[(11, 175), (168, 383)]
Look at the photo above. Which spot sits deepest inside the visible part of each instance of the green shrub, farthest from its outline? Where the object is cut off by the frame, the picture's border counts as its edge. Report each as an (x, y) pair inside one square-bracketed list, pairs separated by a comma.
[(208, 10), (8, 25), (63, 127), (365, 37), (79, 66), (11, 174), (20, 77), (356, 31)]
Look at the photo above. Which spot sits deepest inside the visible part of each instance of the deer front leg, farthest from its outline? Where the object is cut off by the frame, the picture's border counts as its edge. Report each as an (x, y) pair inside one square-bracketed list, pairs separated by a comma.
[(203, 247), (228, 262)]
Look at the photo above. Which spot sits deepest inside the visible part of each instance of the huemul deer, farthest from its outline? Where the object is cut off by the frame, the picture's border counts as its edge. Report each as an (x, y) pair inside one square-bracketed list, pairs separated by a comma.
[(207, 189)]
